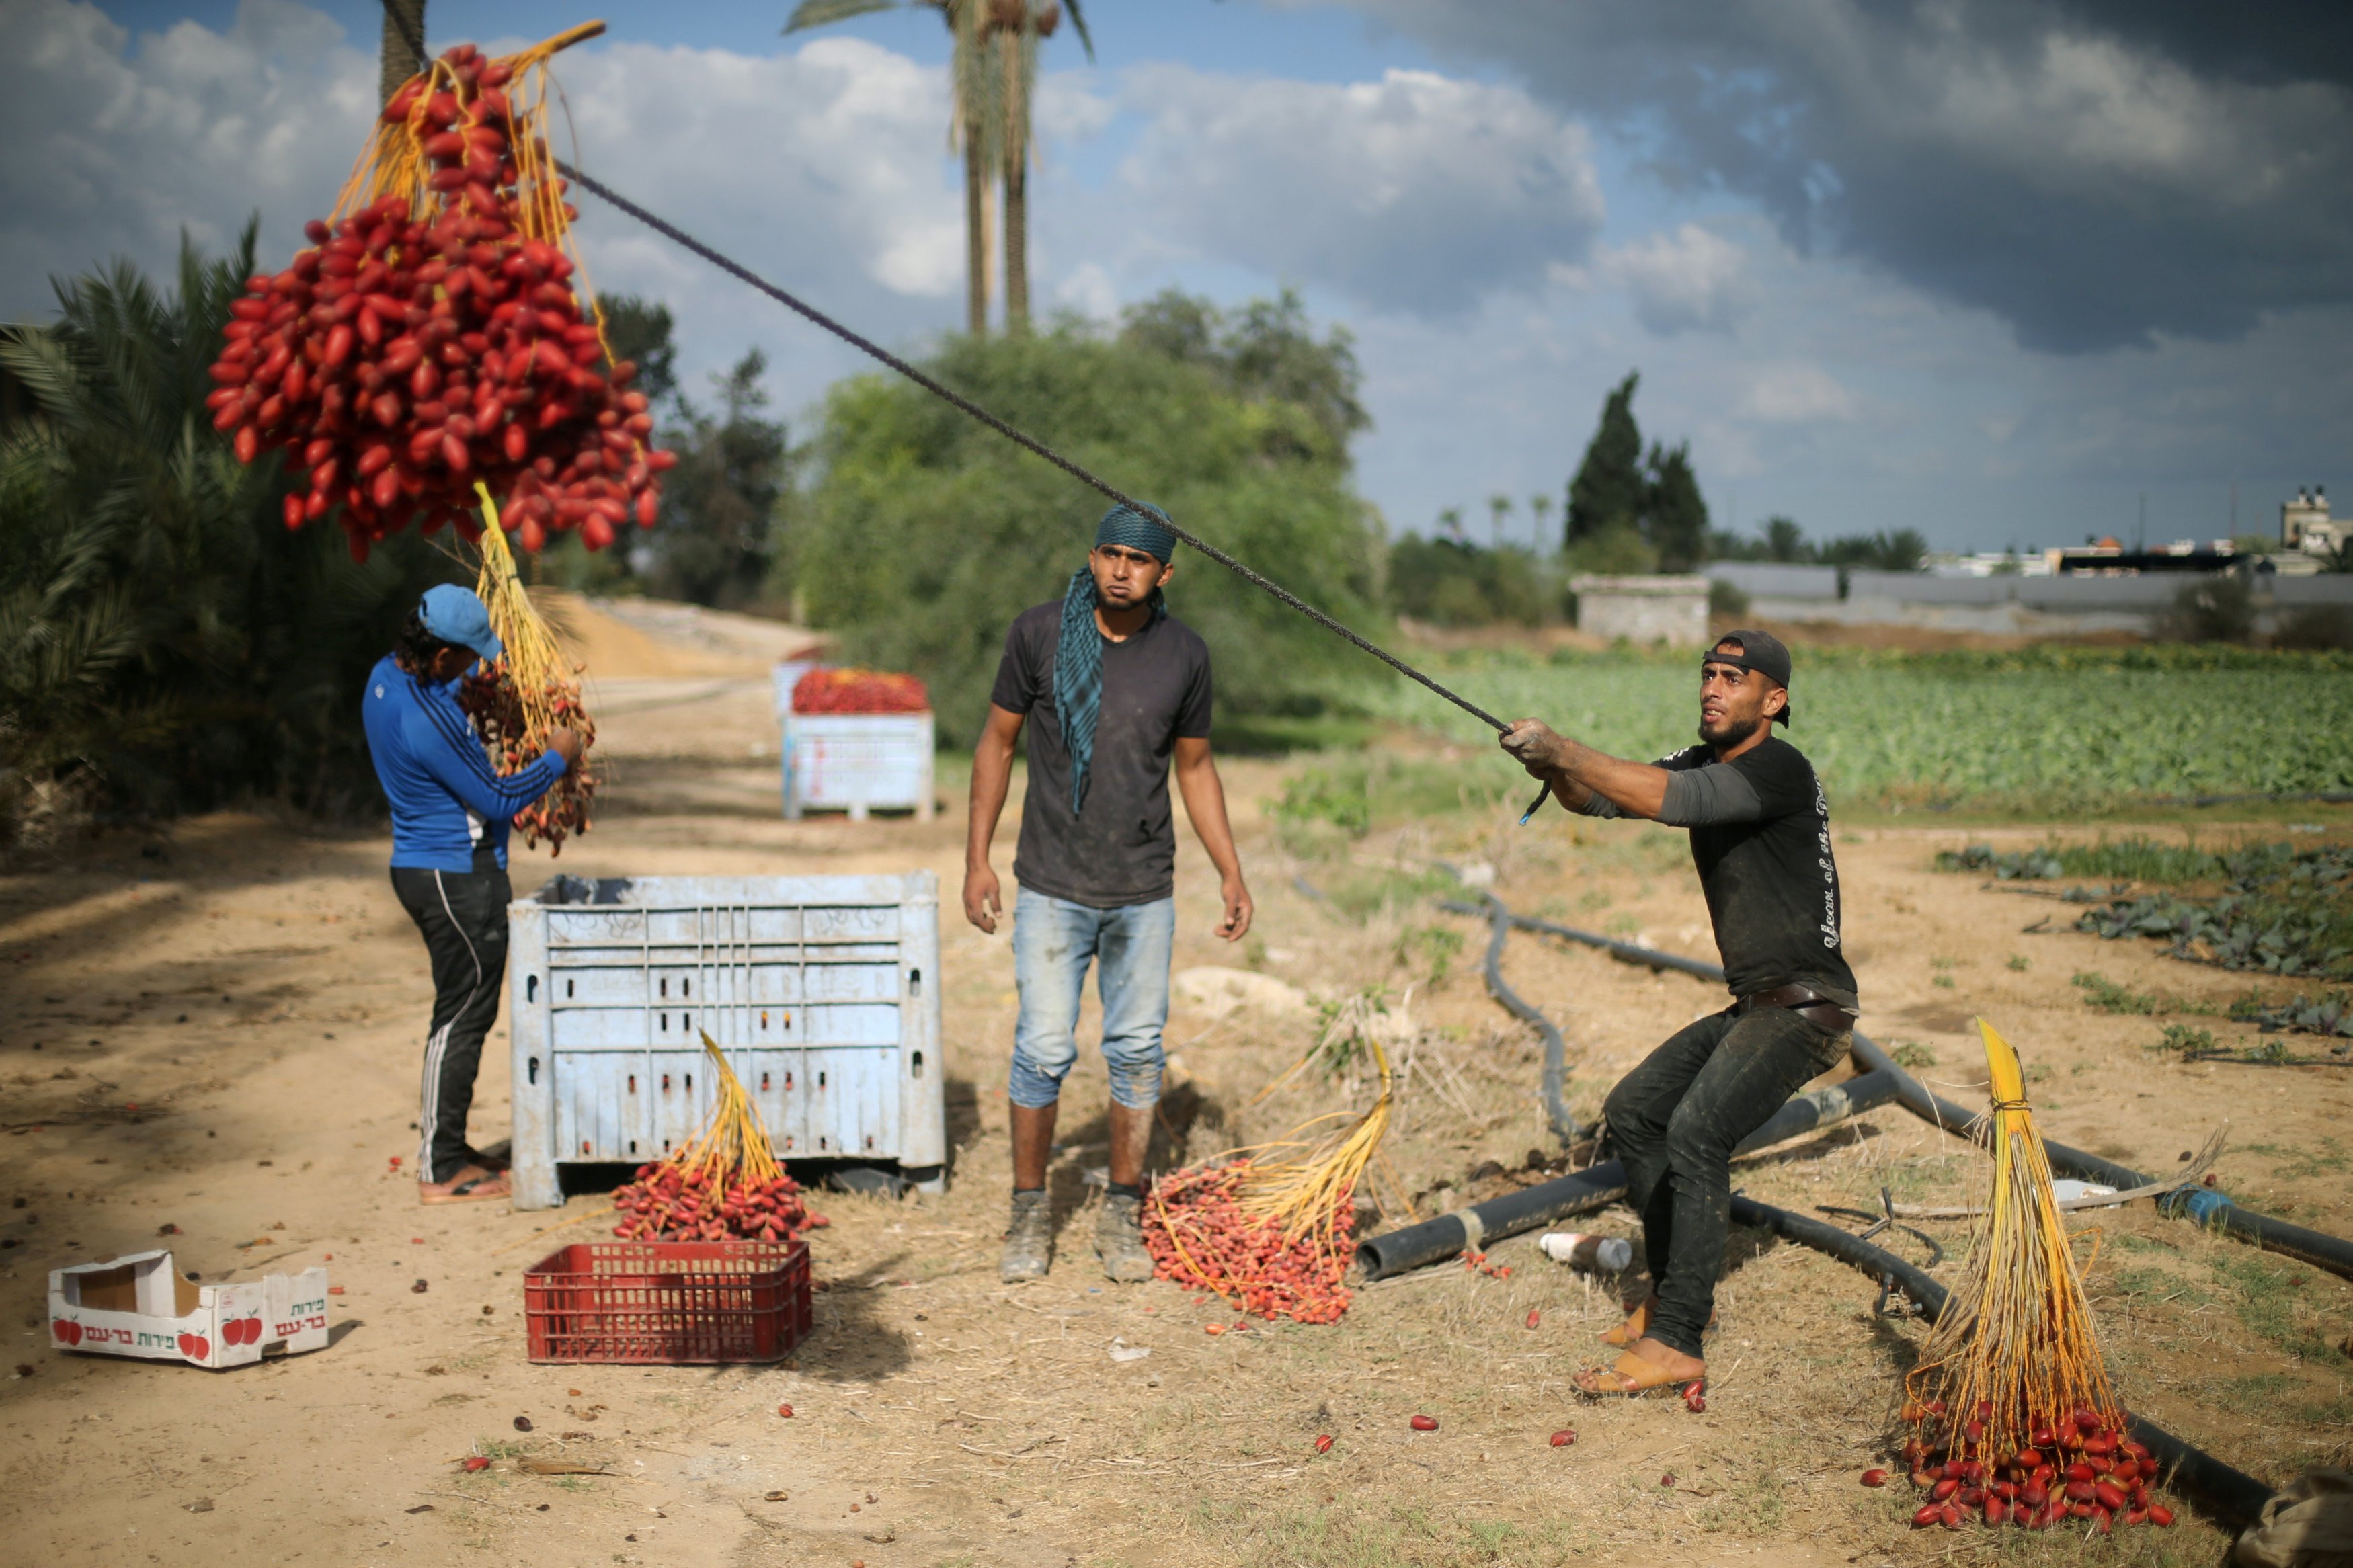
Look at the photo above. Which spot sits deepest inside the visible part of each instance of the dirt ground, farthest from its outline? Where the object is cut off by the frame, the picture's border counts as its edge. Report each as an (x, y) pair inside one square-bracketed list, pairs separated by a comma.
[(254, 989)]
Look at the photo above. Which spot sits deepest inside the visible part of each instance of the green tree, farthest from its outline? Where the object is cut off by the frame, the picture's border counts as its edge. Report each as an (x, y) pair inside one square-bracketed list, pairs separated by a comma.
[(1785, 540), (1499, 508), (1447, 582), (1268, 355), (165, 643), (715, 541), (1540, 509), (1608, 490), (926, 533), (1674, 514)]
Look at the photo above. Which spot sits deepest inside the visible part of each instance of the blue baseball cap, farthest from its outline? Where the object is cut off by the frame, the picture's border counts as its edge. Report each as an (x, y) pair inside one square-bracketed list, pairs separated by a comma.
[(456, 615)]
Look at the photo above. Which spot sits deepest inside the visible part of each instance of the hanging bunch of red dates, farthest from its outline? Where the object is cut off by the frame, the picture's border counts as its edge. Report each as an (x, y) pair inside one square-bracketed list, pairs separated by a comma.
[(439, 332), (491, 698)]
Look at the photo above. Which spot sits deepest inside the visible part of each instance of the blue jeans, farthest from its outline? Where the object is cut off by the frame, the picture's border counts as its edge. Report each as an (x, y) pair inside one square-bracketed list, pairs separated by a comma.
[(1053, 939)]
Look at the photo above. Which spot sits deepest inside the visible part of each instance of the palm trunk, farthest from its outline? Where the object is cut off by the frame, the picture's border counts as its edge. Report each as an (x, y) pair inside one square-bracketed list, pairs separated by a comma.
[(1017, 187), (403, 34), (975, 233)]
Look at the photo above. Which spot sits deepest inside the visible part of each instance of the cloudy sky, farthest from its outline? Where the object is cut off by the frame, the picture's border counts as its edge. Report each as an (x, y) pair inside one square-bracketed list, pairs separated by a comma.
[(2004, 271)]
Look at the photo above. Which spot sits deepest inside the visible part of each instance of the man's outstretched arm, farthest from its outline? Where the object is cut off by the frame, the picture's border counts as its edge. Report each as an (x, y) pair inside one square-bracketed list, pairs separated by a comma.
[(1578, 773)]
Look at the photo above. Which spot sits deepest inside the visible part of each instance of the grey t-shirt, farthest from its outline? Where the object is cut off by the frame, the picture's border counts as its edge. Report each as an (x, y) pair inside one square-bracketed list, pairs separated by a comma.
[(1121, 850)]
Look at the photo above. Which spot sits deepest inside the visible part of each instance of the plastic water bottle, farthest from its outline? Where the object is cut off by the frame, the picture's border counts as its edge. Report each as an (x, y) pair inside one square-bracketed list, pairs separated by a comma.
[(1596, 1253)]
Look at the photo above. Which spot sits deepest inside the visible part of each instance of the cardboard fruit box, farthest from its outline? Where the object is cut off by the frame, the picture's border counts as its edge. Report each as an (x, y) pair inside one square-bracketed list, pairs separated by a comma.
[(140, 1305)]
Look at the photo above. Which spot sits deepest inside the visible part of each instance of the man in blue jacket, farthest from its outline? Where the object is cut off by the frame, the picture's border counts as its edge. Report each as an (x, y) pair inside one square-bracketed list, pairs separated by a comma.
[(450, 816)]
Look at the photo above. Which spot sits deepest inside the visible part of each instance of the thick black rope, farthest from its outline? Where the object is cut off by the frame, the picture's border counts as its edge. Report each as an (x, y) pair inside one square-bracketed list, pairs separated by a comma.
[(865, 346)]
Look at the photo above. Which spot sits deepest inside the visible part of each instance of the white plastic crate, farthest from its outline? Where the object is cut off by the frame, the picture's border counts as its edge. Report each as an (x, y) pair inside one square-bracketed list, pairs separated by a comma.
[(824, 991), (854, 762)]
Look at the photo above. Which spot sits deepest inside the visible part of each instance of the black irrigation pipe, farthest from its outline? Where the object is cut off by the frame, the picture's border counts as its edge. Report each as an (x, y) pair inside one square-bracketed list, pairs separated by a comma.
[(1431, 1241), (2210, 1207), (2230, 1496), (1556, 1063), (2203, 1204)]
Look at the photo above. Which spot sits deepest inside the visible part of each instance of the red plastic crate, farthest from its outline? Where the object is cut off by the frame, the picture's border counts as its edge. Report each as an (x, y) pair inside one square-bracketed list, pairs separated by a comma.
[(668, 1302)]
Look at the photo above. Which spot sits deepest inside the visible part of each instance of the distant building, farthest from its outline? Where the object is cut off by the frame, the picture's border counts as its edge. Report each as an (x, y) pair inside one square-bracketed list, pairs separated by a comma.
[(1668, 609), (1991, 563), (2306, 525)]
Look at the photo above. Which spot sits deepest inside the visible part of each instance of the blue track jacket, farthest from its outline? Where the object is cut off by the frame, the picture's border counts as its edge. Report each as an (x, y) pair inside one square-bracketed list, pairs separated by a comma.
[(446, 798)]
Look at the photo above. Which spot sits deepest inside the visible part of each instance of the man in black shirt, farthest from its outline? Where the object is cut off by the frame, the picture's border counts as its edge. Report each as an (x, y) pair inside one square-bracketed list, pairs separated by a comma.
[(1761, 838), (1117, 687)]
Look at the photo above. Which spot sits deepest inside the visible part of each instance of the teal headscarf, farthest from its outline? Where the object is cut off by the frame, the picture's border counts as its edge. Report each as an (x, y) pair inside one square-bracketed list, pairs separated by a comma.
[(1078, 653)]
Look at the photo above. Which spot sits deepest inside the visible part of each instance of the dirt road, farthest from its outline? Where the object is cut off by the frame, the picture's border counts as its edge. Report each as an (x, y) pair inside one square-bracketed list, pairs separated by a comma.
[(257, 993)]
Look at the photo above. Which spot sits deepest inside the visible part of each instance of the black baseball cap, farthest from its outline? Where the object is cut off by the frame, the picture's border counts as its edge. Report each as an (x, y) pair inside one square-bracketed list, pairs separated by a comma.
[(1759, 652)]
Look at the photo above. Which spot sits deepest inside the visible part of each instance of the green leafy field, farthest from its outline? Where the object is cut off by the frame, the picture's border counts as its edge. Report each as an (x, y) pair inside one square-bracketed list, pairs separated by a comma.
[(2049, 728)]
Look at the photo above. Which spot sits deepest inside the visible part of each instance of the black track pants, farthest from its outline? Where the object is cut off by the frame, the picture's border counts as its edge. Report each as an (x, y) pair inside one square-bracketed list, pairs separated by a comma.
[(463, 917), (1674, 1119)]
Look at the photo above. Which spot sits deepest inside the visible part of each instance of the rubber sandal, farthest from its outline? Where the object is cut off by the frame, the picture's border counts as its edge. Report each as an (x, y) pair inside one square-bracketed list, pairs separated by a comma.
[(1632, 1377), (482, 1189)]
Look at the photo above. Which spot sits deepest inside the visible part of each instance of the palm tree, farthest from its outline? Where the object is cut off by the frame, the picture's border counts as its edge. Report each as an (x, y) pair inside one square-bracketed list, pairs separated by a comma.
[(404, 29), (164, 639), (975, 120), (1017, 28), (1451, 519), (1540, 508), (1499, 506)]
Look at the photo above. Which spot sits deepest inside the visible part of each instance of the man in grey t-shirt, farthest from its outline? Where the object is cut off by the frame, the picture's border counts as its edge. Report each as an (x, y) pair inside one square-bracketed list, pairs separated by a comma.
[(1113, 689)]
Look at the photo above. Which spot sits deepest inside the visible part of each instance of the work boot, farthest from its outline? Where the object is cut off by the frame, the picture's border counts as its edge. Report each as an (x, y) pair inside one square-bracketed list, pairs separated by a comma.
[(1028, 1239), (1119, 1239)]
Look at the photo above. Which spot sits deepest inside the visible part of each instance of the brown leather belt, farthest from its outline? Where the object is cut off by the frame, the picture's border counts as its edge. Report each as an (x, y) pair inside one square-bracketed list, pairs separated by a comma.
[(1809, 1005)]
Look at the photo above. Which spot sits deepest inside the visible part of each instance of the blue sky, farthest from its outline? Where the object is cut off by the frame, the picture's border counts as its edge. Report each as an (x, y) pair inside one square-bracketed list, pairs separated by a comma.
[(1994, 271)]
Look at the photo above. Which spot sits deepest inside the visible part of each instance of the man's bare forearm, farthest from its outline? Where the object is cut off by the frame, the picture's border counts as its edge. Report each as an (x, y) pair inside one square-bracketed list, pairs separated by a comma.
[(1205, 805), (992, 776)]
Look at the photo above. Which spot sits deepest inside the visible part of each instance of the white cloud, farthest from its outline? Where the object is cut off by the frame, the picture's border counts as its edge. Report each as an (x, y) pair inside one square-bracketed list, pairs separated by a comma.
[(113, 151), (1090, 290), (1693, 279), (1418, 192), (1796, 394)]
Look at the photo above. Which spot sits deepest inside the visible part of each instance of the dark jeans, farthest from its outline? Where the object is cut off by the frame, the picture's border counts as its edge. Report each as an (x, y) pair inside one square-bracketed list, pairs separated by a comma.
[(463, 917), (1675, 1120)]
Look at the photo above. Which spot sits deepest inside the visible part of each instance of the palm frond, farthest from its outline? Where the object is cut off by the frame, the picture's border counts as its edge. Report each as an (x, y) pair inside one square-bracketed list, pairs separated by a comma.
[(1079, 25), (824, 13)]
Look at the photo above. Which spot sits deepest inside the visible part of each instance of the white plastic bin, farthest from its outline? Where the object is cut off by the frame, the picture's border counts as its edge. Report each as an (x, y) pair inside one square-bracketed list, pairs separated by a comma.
[(824, 991), (857, 761)]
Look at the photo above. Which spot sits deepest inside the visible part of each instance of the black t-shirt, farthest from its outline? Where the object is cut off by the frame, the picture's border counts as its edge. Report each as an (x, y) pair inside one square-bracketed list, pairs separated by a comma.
[(1760, 829), (1122, 849)]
